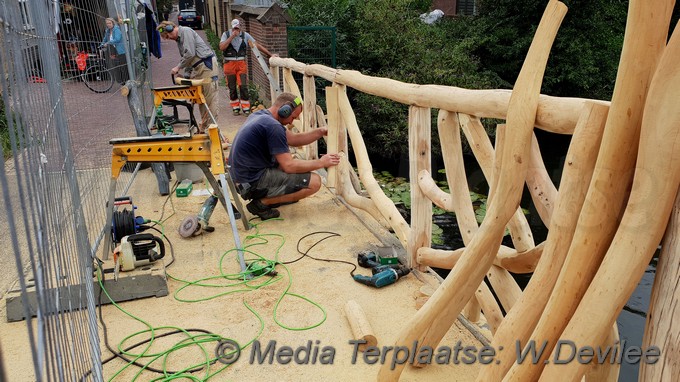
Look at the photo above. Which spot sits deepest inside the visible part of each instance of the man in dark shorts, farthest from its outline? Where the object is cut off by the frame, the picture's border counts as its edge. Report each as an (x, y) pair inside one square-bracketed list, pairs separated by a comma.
[(261, 163)]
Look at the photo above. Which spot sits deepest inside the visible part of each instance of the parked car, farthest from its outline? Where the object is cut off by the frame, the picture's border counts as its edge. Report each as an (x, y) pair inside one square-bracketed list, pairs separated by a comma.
[(189, 18)]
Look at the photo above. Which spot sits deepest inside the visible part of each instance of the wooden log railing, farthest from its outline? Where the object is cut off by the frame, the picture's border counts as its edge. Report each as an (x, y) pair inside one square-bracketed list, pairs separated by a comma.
[(588, 243)]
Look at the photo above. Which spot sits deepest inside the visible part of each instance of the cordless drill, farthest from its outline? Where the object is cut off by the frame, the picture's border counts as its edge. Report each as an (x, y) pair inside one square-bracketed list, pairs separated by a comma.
[(383, 274)]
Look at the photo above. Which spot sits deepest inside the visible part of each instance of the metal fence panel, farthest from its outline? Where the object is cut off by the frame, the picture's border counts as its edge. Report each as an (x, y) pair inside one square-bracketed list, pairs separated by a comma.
[(58, 120)]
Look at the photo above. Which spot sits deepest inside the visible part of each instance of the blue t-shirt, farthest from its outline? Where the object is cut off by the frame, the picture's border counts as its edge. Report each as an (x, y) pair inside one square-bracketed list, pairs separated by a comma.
[(255, 146)]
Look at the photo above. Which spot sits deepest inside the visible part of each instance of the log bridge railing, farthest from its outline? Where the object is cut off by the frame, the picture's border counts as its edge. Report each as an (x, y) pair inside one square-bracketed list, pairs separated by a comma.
[(617, 192)]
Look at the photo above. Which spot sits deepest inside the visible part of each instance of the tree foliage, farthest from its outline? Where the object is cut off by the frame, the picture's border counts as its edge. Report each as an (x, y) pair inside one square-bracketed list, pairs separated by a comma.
[(386, 38)]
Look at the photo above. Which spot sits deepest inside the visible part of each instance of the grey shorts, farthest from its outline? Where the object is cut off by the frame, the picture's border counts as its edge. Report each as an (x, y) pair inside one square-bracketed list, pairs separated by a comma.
[(275, 182)]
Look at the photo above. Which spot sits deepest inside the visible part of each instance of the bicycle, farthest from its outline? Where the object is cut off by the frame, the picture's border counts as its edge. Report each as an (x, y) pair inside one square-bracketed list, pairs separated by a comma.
[(95, 74)]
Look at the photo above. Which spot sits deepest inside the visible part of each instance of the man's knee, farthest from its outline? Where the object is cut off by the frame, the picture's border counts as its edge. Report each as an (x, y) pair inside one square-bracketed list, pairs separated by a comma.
[(314, 182)]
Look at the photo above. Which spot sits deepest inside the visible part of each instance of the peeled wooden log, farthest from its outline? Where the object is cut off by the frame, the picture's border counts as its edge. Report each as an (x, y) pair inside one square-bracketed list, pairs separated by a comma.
[(344, 189), (663, 327), (334, 127), (361, 328), (490, 308), (543, 191), (309, 123), (291, 86), (520, 322), (554, 114), (419, 142), (431, 322), (606, 371), (506, 288), (382, 202), (518, 226), (656, 181), (606, 199), (448, 127)]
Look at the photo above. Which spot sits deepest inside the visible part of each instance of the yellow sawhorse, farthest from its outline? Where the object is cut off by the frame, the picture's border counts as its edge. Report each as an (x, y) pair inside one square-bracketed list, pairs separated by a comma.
[(203, 149)]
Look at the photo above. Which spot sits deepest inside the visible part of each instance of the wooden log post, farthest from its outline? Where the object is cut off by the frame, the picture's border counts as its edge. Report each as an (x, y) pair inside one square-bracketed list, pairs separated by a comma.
[(309, 123), (275, 71), (382, 202), (430, 323), (579, 166), (605, 201), (419, 133), (655, 185), (663, 327), (361, 328), (543, 191), (333, 115)]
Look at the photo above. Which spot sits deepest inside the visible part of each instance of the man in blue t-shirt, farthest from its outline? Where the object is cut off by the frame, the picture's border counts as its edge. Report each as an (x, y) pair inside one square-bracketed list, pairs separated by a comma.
[(261, 163)]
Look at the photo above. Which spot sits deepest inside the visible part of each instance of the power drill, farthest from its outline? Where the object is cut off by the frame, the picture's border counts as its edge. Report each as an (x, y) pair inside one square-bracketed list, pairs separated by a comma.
[(382, 274)]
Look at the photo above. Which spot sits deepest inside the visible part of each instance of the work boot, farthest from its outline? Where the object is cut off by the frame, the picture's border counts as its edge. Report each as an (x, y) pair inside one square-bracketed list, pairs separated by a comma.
[(256, 207), (277, 205)]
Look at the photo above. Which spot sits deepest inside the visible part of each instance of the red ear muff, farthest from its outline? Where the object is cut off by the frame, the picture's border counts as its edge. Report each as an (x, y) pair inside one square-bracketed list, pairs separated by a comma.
[(286, 110)]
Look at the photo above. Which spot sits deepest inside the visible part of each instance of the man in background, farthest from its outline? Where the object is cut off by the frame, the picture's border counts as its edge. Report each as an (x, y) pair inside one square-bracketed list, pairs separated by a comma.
[(233, 45), (198, 61)]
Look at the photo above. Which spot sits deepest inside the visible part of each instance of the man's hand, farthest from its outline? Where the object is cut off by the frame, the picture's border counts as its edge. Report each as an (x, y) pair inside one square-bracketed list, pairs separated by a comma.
[(323, 131), (174, 70), (330, 160)]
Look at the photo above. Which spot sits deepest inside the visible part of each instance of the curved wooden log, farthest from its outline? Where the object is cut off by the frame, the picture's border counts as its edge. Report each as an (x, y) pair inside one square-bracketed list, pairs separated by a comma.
[(478, 139), (520, 262), (440, 198), (520, 322), (344, 189), (554, 114), (643, 44), (506, 288), (435, 318), (656, 181), (492, 312), (448, 127), (382, 202), (606, 371), (543, 191), (663, 327), (290, 86)]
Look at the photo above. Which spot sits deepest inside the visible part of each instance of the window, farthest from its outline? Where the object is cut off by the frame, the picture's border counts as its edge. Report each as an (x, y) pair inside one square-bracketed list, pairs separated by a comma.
[(26, 18), (466, 7)]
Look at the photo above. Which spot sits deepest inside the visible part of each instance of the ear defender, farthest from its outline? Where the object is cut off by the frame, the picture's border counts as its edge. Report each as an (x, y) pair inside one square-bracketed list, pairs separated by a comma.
[(166, 28), (286, 110)]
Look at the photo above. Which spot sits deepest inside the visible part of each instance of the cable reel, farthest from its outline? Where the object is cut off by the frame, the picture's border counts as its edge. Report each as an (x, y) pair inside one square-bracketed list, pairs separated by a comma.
[(124, 222), (137, 251)]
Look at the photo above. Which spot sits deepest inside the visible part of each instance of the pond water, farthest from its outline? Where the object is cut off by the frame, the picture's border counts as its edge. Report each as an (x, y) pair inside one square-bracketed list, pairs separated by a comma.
[(631, 321)]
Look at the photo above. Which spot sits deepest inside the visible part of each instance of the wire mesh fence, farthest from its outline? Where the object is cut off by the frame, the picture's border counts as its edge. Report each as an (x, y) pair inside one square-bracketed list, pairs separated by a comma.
[(62, 76)]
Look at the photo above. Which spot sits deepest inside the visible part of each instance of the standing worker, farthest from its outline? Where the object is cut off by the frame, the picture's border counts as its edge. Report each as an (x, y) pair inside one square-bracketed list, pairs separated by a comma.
[(199, 62), (233, 45)]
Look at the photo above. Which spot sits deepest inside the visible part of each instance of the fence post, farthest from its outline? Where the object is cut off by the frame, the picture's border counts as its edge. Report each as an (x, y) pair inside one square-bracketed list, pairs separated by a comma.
[(332, 141), (309, 122), (419, 143)]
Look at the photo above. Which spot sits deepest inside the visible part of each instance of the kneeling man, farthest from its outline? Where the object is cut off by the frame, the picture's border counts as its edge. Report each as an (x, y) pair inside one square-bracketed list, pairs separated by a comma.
[(261, 163)]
